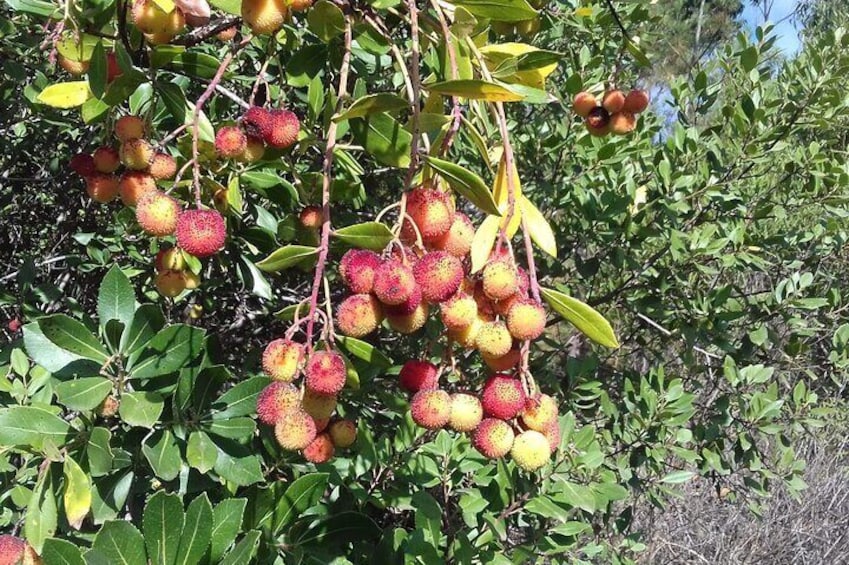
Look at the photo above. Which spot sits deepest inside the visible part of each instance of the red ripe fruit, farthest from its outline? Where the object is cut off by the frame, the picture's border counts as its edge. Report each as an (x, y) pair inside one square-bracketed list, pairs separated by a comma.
[(257, 122), (133, 185), (636, 101), (493, 438), (439, 275), (163, 166), (201, 232), (418, 375), (106, 159), (458, 239), (15, 551), (82, 164), (503, 397), (325, 372), (357, 268), (613, 101), (407, 307), (14, 325), (230, 142), (394, 282), (359, 315), (583, 103), (157, 213), (284, 129), (102, 188), (431, 210), (598, 122), (431, 409), (276, 400), (320, 450)]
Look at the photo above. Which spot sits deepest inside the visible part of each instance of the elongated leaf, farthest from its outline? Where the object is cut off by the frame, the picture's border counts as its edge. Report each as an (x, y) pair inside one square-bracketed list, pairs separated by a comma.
[(244, 551), (61, 552), (370, 104), (483, 241), (499, 10), (169, 350), (285, 257), (32, 426), (65, 94), (326, 20), (72, 336), (197, 531), (121, 543), (77, 497), (369, 235), (42, 515), (147, 320), (99, 452), (226, 523), (162, 524), (163, 454), (83, 394), (341, 529), (476, 89), (466, 183), (584, 317), (383, 138), (301, 494), (116, 299), (501, 193), (201, 453), (239, 400), (234, 428), (365, 351), (538, 227), (37, 7)]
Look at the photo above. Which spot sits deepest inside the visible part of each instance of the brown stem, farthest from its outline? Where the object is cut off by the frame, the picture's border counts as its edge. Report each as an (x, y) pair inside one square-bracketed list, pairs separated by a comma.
[(201, 34), (327, 172), (455, 74), (415, 79)]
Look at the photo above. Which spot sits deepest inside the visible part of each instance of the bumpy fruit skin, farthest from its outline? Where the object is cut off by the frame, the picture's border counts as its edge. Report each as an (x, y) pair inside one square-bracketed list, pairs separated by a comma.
[(295, 430), (311, 217), (531, 450), (418, 375), (407, 307), (134, 185), (394, 282), (503, 397), (467, 336), (106, 159), (136, 154), (257, 122), (431, 210), (281, 359), (15, 551), (264, 17), (431, 409), (163, 166), (359, 315), (357, 269), (108, 407), (170, 283), (439, 275), (636, 101), (319, 406), (276, 400), (493, 438), (320, 450), (82, 164), (466, 412), (170, 259), (583, 103), (299, 5), (230, 142), (157, 213), (284, 129), (201, 232), (325, 372), (102, 188), (500, 280), (226, 34), (459, 311), (321, 425), (74, 68), (598, 122), (494, 339), (552, 434), (408, 323), (539, 413), (622, 123), (458, 239), (254, 151), (526, 320), (129, 127), (343, 433), (613, 101), (503, 363)]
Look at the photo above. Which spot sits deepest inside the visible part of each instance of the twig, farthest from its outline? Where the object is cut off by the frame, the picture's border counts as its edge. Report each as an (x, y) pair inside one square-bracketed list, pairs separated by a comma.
[(456, 112), (201, 34)]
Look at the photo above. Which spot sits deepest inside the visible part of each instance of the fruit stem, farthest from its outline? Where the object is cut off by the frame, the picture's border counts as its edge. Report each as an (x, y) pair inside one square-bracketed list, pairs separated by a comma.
[(452, 59), (415, 99), (532, 268), (327, 172)]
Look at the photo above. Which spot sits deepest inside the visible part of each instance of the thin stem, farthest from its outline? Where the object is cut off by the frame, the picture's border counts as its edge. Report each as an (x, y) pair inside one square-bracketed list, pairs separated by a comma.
[(416, 98), (327, 177), (456, 112)]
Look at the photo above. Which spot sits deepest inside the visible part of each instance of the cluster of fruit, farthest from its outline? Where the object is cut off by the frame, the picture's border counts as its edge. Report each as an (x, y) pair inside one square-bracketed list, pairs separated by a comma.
[(616, 114), (265, 17), (258, 128), (303, 416)]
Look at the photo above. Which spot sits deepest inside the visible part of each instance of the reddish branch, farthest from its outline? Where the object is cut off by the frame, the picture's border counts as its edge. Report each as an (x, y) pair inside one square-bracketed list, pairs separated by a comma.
[(455, 74)]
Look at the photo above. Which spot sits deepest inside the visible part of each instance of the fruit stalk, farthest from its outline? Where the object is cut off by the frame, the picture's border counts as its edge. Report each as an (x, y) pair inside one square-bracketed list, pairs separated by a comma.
[(456, 112), (415, 100)]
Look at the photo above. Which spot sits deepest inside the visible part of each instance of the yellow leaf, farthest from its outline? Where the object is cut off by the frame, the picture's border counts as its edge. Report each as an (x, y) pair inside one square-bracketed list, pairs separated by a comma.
[(77, 496), (166, 6), (65, 94), (639, 200), (496, 54), (584, 12), (539, 228), (483, 241), (500, 192)]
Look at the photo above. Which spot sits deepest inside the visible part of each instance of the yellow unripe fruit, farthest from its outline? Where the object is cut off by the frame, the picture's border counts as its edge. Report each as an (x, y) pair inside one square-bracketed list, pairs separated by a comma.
[(494, 339), (540, 413), (466, 412), (264, 17), (170, 283), (466, 337), (531, 450), (500, 280), (409, 323)]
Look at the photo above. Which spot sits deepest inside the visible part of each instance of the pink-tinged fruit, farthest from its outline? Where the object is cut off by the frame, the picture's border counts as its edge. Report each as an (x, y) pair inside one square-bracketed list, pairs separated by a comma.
[(357, 268), (439, 275), (282, 359), (295, 430), (431, 409), (503, 397), (418, 375), (493, 438), (201, 232), (276, 400), (325, 372)]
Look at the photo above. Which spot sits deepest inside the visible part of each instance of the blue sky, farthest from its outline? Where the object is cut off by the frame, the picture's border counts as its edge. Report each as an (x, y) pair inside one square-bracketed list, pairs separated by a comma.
[(788, 35)]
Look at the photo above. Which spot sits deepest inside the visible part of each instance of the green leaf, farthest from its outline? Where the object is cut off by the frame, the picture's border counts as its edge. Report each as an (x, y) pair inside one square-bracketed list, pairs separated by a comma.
[(571, 528), (141, 408), (77, 497), (370, 104), (244, 551), (239, 400), (162, 524), (72, 336), (326, 20), (467, 183), (542, 505), (37, 7), (121, 543), (365, 351), (499, 10), (197, 531), (99, 452), (677, 477), (577, 495), (170, 350), (234, 428), (83, 394), (585, 318), (230, 6), (383, 138), (226, 523), (428, 516), (163, 455), (65, 94), (48, 354), (109, 494), (116, 299), (301, 494), (483, 241), (147, 320), (183, 110), (285, 257), (235, 463), (476, 89), (196, 64), (341, 529), (201, 452), (41, 513), (368, 235), (61, 552), (32, 426), (98, 71)]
